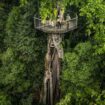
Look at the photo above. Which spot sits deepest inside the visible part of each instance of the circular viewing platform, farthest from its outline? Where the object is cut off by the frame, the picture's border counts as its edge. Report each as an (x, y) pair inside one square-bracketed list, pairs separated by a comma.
[(54, 26)]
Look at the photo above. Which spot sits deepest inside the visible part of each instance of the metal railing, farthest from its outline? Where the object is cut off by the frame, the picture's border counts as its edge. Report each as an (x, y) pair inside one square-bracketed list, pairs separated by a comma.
[(54, 27)]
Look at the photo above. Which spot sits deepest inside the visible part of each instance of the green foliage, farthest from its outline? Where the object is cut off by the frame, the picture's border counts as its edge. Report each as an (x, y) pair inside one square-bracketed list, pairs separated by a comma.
[(4, 100), (95, 16), (27, 101), (22, 52), (79, 77), (79, 65), (23, 2), (83, 73), (3, 17), (48, 9), (87, 96), (21, 70), (66, 100)]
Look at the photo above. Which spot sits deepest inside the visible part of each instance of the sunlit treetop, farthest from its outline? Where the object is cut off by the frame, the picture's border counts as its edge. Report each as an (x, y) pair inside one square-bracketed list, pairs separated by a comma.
[(48, 8)]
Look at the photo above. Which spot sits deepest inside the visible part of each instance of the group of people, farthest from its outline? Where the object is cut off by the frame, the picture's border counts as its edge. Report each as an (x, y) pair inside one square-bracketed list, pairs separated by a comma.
[(60, 18), (58, 21)]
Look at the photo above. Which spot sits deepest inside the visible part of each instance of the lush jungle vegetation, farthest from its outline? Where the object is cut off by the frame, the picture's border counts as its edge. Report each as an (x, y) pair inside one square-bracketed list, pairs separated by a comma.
[(22, 51)]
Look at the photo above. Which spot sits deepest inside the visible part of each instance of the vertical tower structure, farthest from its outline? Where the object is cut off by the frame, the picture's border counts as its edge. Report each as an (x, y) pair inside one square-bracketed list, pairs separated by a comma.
[(55, 30)]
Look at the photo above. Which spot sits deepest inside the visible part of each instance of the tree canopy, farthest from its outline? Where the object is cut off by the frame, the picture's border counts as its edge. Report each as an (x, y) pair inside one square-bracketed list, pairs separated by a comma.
[(22, 51)]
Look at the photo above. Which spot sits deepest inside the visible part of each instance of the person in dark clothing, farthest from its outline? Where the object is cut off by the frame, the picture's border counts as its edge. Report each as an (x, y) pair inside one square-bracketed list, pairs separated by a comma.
[(60, 18)]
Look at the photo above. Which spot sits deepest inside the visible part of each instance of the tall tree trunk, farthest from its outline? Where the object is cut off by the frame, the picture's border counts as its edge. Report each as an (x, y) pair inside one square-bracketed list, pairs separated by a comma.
[(52, 70)]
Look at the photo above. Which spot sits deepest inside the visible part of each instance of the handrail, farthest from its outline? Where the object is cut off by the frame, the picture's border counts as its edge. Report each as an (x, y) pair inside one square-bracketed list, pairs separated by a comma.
[(66, 25), (43, 26), (65, 19), (37, 18)]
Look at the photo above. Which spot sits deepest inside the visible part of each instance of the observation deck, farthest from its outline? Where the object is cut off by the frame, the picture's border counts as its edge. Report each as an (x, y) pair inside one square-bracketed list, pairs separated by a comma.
[(54, 27)]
